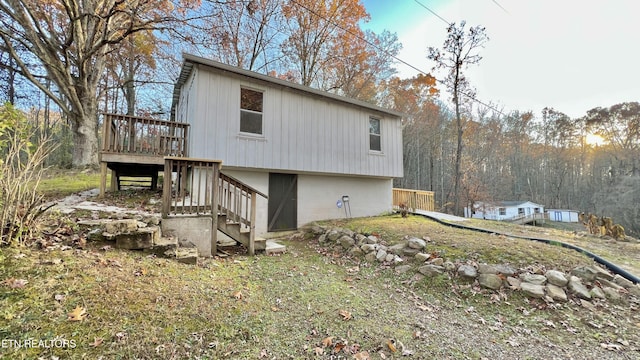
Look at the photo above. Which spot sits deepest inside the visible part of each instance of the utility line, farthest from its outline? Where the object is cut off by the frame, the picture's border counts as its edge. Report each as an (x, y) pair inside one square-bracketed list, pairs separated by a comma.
[(433, 12), (500, 6), (397, 58)]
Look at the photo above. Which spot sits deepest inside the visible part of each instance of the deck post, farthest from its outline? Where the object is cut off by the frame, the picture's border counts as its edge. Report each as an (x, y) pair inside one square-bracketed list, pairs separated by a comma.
[(252, 225), (103, 178), (214, 208), (166, 188)]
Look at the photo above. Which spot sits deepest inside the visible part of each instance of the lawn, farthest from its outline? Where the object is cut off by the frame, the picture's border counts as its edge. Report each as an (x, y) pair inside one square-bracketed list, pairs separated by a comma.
[(312, 302)]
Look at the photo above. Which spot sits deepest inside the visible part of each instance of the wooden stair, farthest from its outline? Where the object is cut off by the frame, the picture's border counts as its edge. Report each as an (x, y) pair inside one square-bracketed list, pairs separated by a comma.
[(234, 231)]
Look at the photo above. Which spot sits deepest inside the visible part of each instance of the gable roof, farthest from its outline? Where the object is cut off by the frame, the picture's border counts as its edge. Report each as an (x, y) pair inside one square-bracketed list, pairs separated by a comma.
[(508, 203), (190, 60)]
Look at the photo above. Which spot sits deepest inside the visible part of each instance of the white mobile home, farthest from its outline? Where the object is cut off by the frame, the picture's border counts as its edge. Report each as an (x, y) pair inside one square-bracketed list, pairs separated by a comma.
[(563, 215), (503, 210), (306, 149)]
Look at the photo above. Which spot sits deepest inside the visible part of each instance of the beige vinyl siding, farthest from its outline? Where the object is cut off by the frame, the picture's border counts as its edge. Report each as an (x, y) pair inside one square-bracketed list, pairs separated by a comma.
[(301, 132)]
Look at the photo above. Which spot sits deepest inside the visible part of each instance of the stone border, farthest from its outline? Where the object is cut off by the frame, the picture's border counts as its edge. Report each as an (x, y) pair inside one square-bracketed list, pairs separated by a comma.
[(583, 282)]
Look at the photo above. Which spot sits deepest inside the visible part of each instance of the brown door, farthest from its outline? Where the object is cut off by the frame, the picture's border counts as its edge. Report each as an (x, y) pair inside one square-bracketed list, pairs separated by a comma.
[(283, 203)]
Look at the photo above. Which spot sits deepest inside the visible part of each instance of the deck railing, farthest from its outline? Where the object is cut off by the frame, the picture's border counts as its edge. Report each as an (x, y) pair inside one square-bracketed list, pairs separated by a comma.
[(413, 200), (197, 184), (143, 136)]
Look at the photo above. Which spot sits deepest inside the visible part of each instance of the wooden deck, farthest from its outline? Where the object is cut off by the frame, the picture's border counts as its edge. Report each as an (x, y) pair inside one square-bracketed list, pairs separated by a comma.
[(135, 146)]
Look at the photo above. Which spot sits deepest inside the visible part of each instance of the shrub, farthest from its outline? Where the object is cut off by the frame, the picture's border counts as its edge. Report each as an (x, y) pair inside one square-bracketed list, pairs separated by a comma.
[(21, 168)]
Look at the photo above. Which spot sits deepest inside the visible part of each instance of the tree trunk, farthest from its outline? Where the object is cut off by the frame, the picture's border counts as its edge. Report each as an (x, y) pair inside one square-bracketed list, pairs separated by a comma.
[(85, 135)]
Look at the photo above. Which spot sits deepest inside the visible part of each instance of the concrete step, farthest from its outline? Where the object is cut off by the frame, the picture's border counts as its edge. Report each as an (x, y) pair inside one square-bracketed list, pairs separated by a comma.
[(272, 247)]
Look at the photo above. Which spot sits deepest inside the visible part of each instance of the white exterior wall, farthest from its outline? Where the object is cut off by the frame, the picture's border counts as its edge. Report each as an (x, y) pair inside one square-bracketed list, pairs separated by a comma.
[(563, 215), (492, 212), (301, 132), (317, 196)]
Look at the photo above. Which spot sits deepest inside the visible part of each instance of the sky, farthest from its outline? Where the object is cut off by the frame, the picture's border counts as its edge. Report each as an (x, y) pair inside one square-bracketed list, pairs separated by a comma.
[(572, 55)]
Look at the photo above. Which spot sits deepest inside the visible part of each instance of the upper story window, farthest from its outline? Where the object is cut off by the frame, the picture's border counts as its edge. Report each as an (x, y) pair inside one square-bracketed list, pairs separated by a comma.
[(251, 111), (374, 134)]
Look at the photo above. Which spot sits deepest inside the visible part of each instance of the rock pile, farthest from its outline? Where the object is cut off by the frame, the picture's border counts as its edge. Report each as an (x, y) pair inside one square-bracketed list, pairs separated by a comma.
[(141, 234), (411, 254)]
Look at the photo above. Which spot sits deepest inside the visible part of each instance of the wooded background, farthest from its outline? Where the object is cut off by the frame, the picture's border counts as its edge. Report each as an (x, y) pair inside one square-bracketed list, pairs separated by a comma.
[(65, 62)]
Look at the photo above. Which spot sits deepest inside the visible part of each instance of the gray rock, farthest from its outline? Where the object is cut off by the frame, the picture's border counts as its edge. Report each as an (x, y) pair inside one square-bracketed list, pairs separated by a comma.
[(490, 281), (348, 233), (532, 290), (437, 261), (346, 241), (152, 220), (141, 239), (367, 248), (187, 255), (611, 284), (121, 226), (487, 269), (370, 257), (533, 279), (397, 260), (556, 277), (322, 239), (389, 258), (317, 230), (506, 270), (618, 279), (402, 269), (421, 257), (586, 273), (514, 282), (556, 292), (333, 235), (576, 287), (372, 239), (381, 255), (467, 272), (410, 251), (612, 294), (397, 248), (356, 251), (635, 290), (602, 273), (597, 293), (449, 266), (416, 243), (360, 239), (431, 270)]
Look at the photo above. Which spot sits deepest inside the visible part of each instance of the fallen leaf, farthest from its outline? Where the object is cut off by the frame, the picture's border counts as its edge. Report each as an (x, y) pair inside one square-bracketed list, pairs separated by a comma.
[(238, 295), (339, 346), (97, 342), (319, 351), (328, 341), (140, 272), (345, 314), (391, 344), (15, 283), (417, 334), (263, 353), (362, 356), (105, 248), (58, 297), (274, 309), (78, 314)]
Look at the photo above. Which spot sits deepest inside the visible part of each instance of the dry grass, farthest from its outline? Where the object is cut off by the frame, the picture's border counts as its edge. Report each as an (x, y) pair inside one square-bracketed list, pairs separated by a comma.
[(286, 307)]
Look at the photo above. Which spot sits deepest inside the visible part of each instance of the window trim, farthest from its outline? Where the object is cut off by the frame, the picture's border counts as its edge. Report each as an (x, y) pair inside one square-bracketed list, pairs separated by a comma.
[(375, 151), (245, 133)]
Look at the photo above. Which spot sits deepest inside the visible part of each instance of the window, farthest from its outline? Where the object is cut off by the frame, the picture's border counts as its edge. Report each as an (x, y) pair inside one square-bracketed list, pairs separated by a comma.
[(250, 111), (374, 134), (520, 211), (503, 211)]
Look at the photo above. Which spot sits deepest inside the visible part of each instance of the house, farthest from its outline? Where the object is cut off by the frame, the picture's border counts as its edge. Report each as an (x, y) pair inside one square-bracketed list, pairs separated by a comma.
[(563, 215), (504, 210), (315, 155)]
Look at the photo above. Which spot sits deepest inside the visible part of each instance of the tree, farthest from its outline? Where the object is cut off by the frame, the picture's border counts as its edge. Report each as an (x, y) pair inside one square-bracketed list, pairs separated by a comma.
[(458, 52), (243, 33), (72, 40), (316, 28)]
